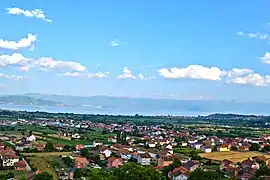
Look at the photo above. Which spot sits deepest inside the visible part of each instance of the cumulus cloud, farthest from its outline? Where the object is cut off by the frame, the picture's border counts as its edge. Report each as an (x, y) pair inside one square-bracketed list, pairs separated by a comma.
[(233, 76), (192, 72), (235, 72), (266, 58), (45, 63), (35, 13), (26, 42), (127, 74), (86, 74), (13, 77), (254, 79)]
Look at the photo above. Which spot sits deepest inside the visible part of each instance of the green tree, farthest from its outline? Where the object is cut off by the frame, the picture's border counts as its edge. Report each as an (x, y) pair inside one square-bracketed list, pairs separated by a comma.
[(78, 173), (199, 174), (254, 147), (68, 161), (133, 171), (49, 147), (43, 176), (98, 174), (85, 153)]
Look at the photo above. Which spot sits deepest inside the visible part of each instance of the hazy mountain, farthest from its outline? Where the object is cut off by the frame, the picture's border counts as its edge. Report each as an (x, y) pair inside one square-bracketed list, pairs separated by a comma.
[(26, 100), (164, 106)]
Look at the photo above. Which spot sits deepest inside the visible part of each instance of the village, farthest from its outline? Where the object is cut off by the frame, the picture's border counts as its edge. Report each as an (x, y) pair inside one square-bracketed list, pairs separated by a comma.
[(69, 149)]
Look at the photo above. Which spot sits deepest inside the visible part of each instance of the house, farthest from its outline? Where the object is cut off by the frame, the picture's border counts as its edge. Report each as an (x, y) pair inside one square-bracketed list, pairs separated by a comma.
[(75, 136), (106, 152), (248, 163), (31, 138), (191, 166), (115, 162), (184, 144), (227, 164), (39, 147), (162, 141), (20, 147), (223, 148), (164, 161), (180, 177), (81, 162), (196, 145), (9, 160), (59, 147), (261, 159), (116, 147), (151, 144), (144, 159), (206, 148), (180, 173), (95, 144), (20, 166), (243, 148), (112, 139), (79, 147)]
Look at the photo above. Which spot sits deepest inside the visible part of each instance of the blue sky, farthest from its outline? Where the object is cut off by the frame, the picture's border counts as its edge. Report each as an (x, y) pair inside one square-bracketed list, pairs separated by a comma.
[(158, 49)]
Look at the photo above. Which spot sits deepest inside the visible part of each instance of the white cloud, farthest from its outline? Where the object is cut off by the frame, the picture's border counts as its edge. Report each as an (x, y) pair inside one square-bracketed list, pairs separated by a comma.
[(26, 42), (85, 74), (256, 35), (45, 63), (234, 76), (13, 77), (141, 76), (235, 72), (266, 58), (115, 43), (254, 79), (127, 74), (35, 13), (98, 75), (192, 72)]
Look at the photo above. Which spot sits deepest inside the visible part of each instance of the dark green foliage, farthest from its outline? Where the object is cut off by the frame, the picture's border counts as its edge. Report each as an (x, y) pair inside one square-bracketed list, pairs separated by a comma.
[(85, 153), (68, 161), (49, 147), (254, 147), (43, 176), (133, 171), (199, 174), (234, 148)]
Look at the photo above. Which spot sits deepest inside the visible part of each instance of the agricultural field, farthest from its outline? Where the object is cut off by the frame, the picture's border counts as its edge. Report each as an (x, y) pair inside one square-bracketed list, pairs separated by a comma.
[(41, 164), (232, 155), (47, 154)]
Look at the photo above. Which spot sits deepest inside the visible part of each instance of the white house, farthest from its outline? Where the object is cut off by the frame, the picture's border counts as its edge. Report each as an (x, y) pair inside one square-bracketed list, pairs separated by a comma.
[(76, 136), (31, 138), (144, 159), (152, 144), (184, 144), (9, 160), (107, 153), (206, 149), (180, 177), (95, 144)]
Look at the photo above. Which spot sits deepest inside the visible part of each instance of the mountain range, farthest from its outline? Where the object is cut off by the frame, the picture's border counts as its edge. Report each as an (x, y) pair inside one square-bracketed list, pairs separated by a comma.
[(143, 105)]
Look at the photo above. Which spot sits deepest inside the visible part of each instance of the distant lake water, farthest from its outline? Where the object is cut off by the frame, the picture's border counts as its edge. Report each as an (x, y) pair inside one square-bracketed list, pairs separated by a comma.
[(90, 110)]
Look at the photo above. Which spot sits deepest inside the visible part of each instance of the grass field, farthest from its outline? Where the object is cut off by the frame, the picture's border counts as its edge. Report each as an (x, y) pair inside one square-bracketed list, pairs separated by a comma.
[(47, 154), (18, 174), (231, 155), (42, 164)]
